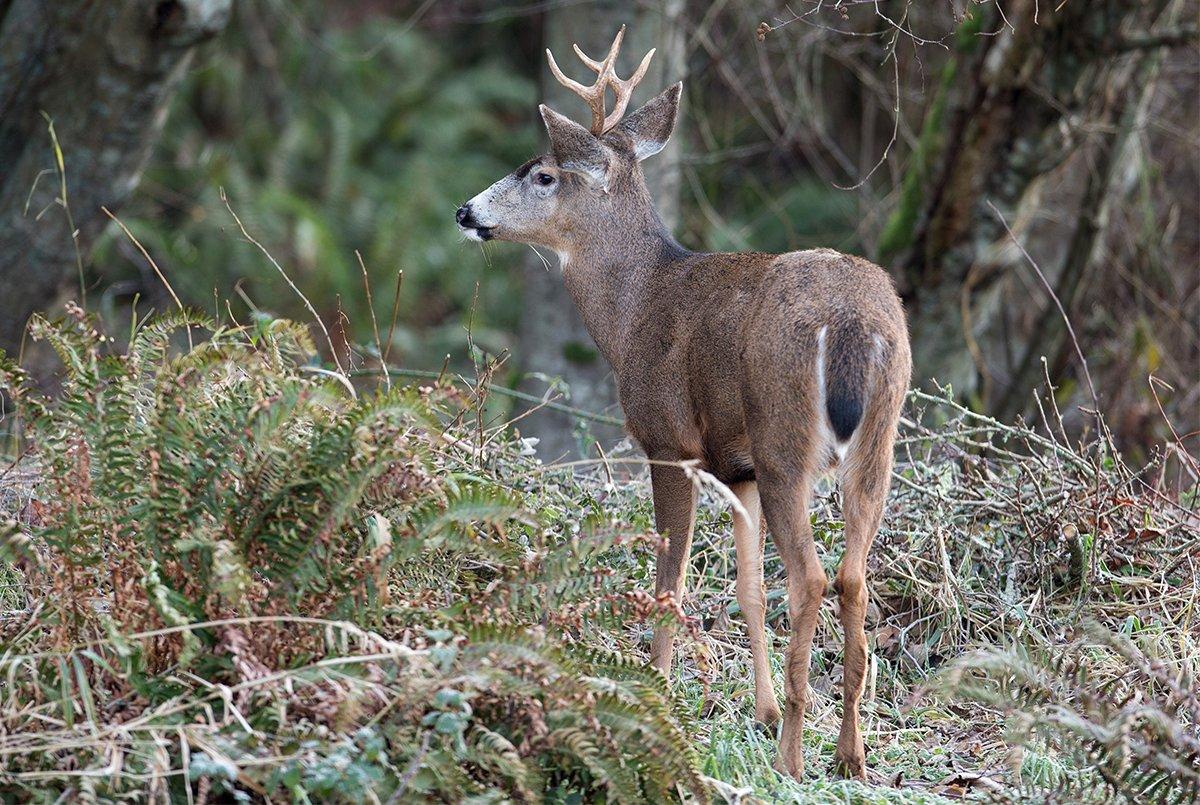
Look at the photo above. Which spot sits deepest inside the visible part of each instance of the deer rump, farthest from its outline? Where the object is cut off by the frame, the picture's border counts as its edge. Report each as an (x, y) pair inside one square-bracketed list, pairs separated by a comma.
[(786, 355)]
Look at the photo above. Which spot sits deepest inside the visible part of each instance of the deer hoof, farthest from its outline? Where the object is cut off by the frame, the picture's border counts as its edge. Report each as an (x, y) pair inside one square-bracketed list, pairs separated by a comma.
[(851, 766), (791, 766), (767, 715)]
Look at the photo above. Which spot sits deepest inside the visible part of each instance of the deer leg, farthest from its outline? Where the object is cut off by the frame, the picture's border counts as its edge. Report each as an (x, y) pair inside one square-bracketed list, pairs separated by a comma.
[(674, 516), (864, 490), (751, 597), (785, 504)]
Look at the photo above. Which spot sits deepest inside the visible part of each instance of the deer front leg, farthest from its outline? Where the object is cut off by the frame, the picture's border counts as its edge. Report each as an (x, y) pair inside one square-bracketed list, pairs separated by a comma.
[(785, 504), (751, 597), (674, 516)]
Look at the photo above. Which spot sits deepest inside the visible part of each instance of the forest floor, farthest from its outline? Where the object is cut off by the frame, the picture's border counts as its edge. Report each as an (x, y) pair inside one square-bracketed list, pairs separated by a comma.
[(1002, 550), (922, 747), (1033, 617)]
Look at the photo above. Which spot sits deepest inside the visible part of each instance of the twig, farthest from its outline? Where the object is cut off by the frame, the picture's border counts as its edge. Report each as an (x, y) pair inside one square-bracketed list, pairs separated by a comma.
[(312, 310), (1062, 312), (158, 272), (371, 307), (1184, 455), (387, 350), (60, 163)]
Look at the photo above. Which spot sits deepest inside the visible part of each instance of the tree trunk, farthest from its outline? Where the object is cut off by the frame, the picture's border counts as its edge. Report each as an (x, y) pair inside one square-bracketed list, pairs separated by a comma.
[(98, 76), (1011, 108), (553, 341)]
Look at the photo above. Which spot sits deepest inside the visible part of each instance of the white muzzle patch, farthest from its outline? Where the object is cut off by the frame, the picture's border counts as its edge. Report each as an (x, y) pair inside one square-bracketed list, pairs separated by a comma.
[(483, 219)]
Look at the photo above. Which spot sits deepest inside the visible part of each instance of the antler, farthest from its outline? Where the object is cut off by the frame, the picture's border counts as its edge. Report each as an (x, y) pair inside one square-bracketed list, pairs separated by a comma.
[(606, 76)]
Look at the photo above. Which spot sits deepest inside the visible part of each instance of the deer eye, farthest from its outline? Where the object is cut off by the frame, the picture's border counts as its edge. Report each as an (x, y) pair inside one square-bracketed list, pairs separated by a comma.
[(544, 179)]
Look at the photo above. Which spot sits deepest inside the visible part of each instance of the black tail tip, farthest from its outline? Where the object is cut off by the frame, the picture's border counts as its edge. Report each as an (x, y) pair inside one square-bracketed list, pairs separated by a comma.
[(844, 415)]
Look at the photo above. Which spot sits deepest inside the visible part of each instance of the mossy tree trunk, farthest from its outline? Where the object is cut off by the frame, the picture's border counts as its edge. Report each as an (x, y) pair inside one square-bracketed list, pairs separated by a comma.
[(98, 75), (1011, 108), (553, 342)]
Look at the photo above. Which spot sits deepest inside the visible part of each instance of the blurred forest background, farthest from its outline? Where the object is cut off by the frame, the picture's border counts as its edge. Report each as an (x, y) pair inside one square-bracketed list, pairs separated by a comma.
[(1014, 166)]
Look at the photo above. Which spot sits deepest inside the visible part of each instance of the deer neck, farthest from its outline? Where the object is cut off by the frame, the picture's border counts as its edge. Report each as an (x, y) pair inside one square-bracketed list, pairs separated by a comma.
[(608, 275)]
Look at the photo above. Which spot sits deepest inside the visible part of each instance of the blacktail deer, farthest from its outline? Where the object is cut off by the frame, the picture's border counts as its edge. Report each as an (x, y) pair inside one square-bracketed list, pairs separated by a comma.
[(768, 370)]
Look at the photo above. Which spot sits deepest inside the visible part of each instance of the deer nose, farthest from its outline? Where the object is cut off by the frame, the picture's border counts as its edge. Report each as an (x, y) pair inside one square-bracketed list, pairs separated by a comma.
[(463, 213)]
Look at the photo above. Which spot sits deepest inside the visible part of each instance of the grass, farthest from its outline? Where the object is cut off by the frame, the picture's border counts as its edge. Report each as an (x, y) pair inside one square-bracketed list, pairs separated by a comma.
[(482, 628)]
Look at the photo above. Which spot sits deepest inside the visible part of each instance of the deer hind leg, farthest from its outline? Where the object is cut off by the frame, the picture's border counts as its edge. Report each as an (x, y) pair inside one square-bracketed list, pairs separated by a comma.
[(752, 599), (675, 516), (864, 489), (785, 499)]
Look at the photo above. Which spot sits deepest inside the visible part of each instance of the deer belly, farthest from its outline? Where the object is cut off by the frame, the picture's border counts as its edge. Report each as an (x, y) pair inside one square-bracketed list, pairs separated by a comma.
[(727, 456)]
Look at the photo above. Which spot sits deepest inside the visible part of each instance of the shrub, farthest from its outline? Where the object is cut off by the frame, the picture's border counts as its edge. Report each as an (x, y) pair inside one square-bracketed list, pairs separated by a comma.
[(254, 578)]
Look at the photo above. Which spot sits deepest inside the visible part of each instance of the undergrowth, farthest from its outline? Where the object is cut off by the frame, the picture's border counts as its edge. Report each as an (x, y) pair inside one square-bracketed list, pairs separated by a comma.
[(1000, 545), (1126, 721), (245, 578), (230, 573)]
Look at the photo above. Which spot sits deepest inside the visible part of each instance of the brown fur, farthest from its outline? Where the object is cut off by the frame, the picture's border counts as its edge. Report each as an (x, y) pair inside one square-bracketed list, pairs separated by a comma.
[(716, 358)]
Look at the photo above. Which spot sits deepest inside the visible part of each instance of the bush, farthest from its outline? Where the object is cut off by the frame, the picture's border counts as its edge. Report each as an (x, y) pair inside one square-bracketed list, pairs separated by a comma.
[(253, 578)]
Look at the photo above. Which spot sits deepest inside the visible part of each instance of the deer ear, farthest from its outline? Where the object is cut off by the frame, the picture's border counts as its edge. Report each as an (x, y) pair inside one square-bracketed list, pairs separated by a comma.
[(650, 127), (576, 149)]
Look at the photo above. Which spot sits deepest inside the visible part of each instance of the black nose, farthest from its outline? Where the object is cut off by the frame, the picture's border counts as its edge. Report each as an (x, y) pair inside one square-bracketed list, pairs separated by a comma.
[(464, 212)]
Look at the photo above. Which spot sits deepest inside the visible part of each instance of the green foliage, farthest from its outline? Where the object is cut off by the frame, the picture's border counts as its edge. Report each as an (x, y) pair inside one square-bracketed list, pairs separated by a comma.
[(220, 474), (216, 531), (1130, 724), (329, 140)]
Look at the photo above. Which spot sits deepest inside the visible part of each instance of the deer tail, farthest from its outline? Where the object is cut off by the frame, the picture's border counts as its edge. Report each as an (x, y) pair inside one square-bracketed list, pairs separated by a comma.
[(844, 358)]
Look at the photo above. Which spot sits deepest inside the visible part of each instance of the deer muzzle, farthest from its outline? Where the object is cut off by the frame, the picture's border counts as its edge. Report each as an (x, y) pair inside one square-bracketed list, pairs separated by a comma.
[(470, 225)]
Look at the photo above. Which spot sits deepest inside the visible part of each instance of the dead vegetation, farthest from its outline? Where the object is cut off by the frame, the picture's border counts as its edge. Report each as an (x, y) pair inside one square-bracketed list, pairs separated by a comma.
[(242, 577)]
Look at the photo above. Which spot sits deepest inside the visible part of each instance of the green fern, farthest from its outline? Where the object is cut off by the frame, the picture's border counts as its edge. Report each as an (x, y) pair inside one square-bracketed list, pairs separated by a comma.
[(202, 476), (1131, 725)]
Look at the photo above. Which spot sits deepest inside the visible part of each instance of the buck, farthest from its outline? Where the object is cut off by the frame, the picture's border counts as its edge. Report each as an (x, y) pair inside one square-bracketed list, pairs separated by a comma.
[(767, 370)]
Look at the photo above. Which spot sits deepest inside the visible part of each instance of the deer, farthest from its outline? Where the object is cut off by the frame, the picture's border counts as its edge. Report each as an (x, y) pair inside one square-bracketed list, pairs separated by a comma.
[(767, 371)]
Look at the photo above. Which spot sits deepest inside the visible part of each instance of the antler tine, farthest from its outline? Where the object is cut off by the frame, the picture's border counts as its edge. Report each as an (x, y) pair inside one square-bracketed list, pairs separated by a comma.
[(569, 83), (593, 95), (609, 61), (606, 76), (623, 89)]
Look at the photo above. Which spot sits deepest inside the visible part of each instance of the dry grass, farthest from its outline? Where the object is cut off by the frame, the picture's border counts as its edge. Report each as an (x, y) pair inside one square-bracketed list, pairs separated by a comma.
[(996, 537), (999, 541)]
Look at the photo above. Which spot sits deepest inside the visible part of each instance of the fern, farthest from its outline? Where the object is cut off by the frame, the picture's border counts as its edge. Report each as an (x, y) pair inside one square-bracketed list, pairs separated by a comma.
[(1131, 726), (203, 488)]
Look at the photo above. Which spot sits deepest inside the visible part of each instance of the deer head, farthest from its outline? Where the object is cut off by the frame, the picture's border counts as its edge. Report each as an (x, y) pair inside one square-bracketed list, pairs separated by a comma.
[(590, 181)]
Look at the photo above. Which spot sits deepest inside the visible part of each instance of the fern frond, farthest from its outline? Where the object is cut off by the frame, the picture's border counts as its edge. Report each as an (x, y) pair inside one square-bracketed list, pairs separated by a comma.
[(1135, 730), (203, 483)]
